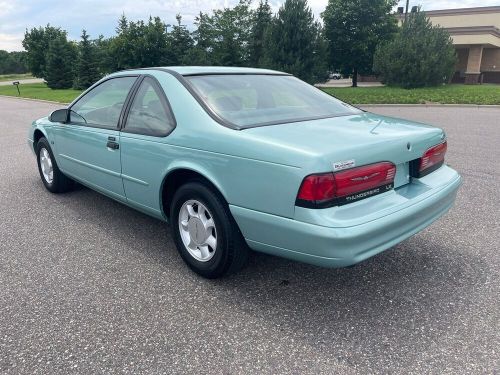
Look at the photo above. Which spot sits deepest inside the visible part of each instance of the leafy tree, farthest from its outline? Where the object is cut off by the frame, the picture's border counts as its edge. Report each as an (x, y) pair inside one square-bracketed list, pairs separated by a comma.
[(86, 72), (13, 62), (59, 59), (353, 29), (36, 43), (420, 55), (230, 30), (180, 43), (261, 20), (293, 42)]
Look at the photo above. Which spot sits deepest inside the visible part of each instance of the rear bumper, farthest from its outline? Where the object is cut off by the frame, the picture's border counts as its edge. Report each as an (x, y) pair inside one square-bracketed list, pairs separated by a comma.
[(340, 237)]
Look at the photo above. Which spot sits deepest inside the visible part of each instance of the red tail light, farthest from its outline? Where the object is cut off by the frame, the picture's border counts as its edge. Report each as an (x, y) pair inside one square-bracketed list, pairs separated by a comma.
[(432, 159), (317, 188), (330, 189)]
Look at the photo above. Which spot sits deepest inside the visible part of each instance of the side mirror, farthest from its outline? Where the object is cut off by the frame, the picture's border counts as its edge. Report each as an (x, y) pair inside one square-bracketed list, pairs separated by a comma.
[(59, 115)]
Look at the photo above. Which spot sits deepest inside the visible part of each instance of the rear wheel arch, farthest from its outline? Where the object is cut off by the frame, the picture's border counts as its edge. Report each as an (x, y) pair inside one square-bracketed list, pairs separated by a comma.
[(178, 177)]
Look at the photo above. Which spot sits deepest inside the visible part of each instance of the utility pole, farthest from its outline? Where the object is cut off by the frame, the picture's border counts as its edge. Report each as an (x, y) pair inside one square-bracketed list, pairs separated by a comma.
[(406, 12)]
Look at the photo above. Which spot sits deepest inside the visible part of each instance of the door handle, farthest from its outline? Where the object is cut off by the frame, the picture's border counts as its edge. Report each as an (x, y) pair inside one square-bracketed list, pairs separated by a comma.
[(112, 145)]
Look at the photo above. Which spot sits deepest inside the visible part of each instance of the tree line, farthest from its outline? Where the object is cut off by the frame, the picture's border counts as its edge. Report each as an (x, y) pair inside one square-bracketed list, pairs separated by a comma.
[(291, 40), (13, 62)]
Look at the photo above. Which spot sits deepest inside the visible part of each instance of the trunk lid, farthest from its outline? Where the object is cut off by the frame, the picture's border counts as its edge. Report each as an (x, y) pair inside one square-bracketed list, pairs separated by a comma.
[(355, 140)]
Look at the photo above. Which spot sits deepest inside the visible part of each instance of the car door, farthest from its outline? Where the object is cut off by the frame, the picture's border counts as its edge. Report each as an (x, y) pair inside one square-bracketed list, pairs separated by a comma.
[(88, 145), (144, 149)]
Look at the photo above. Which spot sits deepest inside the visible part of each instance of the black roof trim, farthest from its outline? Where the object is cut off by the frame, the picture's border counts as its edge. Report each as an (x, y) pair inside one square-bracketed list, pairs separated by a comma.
[(235, 74), (208, 73), (222, 121)]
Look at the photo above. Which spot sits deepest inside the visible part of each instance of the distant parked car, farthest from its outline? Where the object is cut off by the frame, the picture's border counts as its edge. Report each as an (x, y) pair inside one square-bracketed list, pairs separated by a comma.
[(335, 76), (238, 158)]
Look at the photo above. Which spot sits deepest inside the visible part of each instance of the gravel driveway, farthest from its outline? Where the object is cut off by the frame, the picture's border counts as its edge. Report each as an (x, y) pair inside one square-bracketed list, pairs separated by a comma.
[(90, 286)]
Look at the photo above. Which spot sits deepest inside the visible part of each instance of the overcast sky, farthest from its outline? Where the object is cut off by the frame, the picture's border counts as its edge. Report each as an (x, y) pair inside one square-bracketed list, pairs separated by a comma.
[(100, 16)]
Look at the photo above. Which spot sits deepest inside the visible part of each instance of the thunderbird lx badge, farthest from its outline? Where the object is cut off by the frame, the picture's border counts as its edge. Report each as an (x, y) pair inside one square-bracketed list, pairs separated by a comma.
[(339, 165)]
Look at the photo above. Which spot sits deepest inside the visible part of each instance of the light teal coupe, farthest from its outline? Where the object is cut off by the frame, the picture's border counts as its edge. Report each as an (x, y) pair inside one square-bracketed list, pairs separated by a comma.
[(239, 158)]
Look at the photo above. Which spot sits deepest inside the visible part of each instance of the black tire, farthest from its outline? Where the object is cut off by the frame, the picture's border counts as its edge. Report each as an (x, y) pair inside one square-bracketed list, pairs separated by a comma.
[(231, 252), (60, 183)]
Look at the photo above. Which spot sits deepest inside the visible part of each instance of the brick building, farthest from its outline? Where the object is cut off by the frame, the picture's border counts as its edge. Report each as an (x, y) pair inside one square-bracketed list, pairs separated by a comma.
[(476, 37)]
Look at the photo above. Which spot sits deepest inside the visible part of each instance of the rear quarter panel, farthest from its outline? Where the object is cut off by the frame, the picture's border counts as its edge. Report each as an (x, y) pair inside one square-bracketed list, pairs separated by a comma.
[(232, 160)]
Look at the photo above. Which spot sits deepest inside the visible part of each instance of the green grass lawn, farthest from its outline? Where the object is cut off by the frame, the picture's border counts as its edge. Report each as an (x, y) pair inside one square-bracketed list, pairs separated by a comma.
[(12, 77), (40, 91), (449, 94)]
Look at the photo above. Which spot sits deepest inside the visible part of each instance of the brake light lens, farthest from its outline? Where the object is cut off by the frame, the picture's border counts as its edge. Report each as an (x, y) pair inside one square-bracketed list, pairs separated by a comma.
[(330, 189), (317, 188), (432, 159)]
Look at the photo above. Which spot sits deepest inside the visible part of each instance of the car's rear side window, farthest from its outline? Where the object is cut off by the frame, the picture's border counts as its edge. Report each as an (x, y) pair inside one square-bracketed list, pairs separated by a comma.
[(102, 105), (247, 100), (150, 113)]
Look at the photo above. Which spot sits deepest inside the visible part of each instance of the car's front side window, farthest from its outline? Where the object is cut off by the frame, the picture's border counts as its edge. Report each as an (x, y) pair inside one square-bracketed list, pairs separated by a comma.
[(150, 113), (102, 105)]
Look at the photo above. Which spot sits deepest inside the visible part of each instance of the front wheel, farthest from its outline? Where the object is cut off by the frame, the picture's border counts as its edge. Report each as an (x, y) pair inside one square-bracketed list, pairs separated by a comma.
[(205, 233), (53, 179)]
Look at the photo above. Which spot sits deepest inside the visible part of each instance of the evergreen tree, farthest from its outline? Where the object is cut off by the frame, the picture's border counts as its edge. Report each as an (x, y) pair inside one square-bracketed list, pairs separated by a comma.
[(155, 46), (181, 42), (201, 53), (420, 55), (353, 29), (86, 72), (139, 44), (122, 46), (59, 61), (293, 42), (104, 59), (261, 21)]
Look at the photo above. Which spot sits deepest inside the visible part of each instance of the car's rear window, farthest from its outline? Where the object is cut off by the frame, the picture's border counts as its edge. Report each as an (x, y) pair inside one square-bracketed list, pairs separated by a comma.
[(248, 100)]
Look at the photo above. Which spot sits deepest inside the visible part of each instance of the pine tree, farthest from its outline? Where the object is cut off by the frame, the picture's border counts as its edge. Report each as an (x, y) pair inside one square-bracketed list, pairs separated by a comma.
[(201, 53), (181, 43), (139, 44), (420, 55), (59, 61), (122, 46), (155, 46), (86, 72), (104, 59), (293, 42), (261, 21)]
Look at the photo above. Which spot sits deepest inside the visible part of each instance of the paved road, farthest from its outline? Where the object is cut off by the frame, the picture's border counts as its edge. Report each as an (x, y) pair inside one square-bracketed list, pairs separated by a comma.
[(347, 82), (90, 286), (21, 81)]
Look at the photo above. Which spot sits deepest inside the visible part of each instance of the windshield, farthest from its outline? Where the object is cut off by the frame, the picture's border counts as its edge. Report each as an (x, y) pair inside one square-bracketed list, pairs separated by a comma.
[(247, 100)]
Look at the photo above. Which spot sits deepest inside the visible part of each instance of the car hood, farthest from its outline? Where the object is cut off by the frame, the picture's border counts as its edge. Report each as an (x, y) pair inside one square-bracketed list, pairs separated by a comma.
[(365, 138)]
